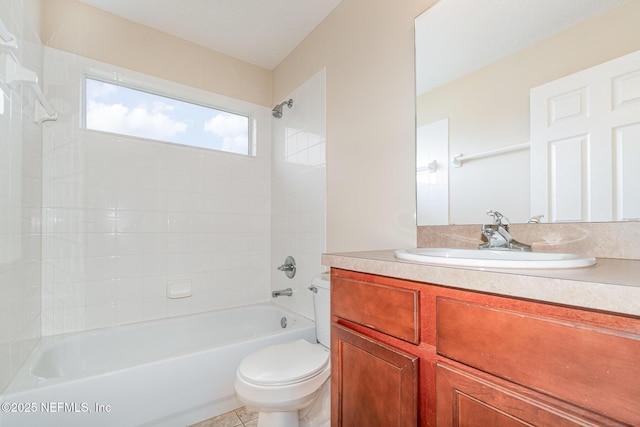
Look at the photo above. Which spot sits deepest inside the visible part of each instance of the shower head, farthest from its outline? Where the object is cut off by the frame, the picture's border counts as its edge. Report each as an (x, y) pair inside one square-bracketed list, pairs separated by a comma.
[(277, 110)]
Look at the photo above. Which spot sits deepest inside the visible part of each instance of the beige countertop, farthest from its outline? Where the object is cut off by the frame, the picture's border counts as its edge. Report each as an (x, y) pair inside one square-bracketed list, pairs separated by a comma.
[(610, 285)]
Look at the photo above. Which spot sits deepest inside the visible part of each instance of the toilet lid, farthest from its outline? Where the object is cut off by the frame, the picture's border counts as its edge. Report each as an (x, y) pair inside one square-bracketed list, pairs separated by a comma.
[(281, 364)]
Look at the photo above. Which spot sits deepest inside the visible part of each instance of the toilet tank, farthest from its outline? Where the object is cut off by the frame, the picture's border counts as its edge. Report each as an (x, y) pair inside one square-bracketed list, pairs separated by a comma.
[(322, 308)]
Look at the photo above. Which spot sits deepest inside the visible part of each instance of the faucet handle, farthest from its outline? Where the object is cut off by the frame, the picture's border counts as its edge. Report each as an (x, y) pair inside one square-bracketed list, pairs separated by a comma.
[(499, 219), (289, 267), (536, 219)]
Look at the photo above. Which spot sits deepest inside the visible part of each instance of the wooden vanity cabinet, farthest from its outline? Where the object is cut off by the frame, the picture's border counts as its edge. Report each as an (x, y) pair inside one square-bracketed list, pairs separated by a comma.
[(412, 354), (374, 335)]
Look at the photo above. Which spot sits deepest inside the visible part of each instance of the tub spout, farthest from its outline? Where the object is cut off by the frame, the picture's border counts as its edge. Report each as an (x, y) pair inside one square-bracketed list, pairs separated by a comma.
[(282, 293)]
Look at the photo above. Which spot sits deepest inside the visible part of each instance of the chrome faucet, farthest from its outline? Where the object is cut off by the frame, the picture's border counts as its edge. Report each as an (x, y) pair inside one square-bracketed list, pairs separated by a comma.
[(289, 267), (498, 237), (282, 293)]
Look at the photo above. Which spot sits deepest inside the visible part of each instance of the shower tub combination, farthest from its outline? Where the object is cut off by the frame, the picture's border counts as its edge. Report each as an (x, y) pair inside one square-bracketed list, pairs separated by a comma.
[(169, 372)]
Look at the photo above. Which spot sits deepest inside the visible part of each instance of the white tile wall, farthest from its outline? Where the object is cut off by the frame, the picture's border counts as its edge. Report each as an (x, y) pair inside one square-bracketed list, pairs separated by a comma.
[(299, 192), (122, 216), (20, 199)]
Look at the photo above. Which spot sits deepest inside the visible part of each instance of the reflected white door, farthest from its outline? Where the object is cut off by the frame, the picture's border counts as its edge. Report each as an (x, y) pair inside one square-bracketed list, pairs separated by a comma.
[(585, 144)]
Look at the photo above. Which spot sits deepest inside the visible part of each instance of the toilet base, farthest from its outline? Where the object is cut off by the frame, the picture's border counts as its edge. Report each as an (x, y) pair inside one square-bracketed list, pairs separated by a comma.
[(278, 419), (318, 414)]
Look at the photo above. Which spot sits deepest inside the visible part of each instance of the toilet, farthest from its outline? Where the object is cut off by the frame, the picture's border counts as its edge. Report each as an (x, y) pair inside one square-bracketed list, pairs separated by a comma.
[(289, 383)]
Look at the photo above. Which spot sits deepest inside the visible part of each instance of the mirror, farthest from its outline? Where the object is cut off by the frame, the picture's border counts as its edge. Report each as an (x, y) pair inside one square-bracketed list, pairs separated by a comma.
[(484, 111)]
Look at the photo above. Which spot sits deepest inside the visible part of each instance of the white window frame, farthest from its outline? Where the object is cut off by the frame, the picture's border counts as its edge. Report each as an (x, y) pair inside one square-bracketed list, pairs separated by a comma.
[(177, 92)]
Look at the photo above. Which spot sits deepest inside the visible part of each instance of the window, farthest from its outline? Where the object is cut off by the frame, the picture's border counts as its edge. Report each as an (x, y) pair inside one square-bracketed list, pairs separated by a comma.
[(116, 108)]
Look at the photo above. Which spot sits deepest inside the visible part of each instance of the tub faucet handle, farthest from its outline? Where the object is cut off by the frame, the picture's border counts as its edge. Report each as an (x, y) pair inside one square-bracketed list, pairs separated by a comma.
[(289, 267)]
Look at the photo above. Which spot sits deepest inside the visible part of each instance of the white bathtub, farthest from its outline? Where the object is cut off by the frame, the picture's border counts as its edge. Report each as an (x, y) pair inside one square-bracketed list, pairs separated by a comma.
[(170, 372)]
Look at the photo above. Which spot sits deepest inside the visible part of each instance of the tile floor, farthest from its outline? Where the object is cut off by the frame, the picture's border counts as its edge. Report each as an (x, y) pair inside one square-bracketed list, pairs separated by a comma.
[(241, 417)]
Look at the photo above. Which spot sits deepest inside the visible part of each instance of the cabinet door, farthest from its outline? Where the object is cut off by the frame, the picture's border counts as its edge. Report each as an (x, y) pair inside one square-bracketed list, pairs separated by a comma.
[(477, 400), (372, 384)]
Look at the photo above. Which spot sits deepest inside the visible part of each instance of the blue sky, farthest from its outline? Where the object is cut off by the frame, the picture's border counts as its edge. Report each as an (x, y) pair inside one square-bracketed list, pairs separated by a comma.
[(122, 110)]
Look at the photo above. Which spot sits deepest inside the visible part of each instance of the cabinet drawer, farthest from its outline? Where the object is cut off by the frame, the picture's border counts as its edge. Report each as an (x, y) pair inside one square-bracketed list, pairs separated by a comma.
[(391, 310), (590, 367)]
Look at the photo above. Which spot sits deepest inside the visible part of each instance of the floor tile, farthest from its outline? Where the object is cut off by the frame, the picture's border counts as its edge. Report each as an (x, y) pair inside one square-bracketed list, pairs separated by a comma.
[(230, 419), (247, 414)]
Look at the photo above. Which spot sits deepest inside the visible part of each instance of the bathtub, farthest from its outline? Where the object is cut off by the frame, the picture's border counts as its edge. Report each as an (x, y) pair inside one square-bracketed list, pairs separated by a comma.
[(170, 372)]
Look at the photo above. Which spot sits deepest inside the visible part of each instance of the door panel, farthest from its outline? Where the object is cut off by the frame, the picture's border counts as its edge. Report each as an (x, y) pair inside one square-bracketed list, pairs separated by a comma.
[(600, 107), (372, 384)]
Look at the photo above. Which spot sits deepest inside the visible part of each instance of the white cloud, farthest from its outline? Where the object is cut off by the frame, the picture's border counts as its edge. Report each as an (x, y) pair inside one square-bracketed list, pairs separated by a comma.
[(100, 89), (140, 121), (231, 128)]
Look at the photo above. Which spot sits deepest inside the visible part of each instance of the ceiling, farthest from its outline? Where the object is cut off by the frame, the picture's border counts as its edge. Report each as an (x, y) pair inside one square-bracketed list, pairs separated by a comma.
[(256, 31), (456, 37)]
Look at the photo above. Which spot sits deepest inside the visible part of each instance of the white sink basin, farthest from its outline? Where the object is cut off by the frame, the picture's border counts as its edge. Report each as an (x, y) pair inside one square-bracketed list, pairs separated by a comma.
[(494, 259)]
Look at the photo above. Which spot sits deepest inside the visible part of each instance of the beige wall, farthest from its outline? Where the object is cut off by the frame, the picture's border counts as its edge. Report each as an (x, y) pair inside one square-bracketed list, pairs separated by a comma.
[(368, 49), (87, 31)]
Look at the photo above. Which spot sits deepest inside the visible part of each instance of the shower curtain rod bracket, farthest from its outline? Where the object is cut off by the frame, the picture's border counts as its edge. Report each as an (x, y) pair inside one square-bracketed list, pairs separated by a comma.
[(13, 74)]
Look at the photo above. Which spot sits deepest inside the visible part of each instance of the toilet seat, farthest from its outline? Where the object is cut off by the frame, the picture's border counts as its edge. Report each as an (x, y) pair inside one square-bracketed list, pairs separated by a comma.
[(284, 364)]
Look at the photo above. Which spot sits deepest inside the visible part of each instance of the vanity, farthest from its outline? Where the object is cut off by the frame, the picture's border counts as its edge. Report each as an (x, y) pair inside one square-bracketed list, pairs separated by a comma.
[(458, 344), (419, 344)]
